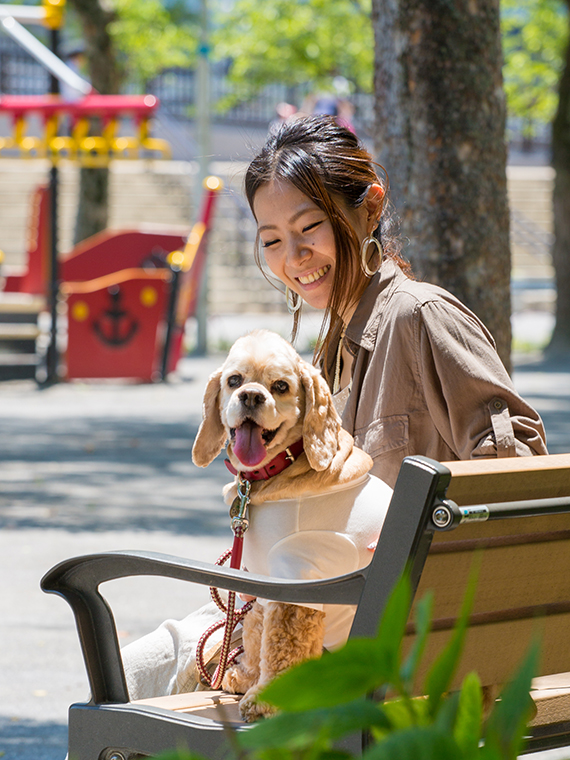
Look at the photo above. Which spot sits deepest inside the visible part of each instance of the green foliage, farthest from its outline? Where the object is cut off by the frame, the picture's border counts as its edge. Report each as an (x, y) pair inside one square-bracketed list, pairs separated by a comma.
[(152, 38), (323, 701), (295, 42), (535, 34)]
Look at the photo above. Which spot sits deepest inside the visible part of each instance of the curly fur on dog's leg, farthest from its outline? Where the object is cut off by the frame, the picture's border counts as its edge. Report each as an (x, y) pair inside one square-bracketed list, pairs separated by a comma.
[(245, 673), (291, 634)]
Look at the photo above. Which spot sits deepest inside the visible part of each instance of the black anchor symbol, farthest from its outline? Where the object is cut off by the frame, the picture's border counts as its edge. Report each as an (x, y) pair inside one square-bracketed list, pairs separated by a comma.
[(115, 315)]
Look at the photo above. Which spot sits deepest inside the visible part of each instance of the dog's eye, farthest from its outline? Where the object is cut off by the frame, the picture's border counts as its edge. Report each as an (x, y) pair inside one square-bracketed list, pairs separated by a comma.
[(234, 381), (280, 386)]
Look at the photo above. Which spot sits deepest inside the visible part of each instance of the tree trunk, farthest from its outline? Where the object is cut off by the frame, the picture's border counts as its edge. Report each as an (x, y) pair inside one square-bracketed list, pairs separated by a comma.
[(93, 205), (560, 341), (440, 117)]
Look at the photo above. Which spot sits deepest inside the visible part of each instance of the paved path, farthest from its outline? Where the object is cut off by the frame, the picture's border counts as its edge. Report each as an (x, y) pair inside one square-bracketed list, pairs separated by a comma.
[(86, 468)]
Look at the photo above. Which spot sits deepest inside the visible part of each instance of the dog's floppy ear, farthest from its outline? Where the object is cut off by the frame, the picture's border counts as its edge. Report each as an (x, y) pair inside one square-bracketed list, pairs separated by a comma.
[(321, 425), (211, 434)]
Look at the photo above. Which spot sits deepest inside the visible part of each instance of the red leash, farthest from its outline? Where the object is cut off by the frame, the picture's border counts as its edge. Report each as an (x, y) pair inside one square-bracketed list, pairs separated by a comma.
[(240, 524)]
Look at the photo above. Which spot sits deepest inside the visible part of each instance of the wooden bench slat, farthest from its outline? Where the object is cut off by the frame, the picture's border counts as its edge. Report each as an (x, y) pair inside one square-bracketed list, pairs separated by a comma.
[(215, 705), (509, 479), (495, 651)]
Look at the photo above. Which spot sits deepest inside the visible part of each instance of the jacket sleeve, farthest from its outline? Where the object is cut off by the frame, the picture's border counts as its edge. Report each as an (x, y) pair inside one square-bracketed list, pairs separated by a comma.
[(469, 393)]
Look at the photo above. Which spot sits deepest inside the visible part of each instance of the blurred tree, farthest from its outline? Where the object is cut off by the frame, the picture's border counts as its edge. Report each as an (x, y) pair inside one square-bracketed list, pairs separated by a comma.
[(537, 83), (103, 71), (560, 341), (440, 116), (132, 39), (534, 38), (150, 37), (295, 41)]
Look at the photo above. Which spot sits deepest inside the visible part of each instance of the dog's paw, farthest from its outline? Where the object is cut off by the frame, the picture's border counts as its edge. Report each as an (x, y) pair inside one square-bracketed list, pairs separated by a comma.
[(232, 681), (237, 680), (251, 710)]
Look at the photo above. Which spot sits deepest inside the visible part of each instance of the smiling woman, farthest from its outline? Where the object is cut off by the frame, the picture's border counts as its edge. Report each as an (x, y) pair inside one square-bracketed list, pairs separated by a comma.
[(414, 371), (418, 371)]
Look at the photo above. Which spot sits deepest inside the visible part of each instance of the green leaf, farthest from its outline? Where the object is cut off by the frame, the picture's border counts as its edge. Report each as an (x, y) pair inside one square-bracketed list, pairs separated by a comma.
[(296, 731), (392, 627), (423, 614), (418, 743), (441, 673), (341, 676), (397, 610), (506, 725), (358, 668), (447, 713), (467, 730), (405, 713), (489, 753)]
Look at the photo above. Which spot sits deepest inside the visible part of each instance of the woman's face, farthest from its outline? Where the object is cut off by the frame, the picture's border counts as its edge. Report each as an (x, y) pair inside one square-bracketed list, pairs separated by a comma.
[(297, 240)]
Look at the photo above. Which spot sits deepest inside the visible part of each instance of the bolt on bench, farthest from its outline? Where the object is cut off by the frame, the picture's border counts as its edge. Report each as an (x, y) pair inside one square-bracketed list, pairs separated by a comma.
[(514, 513)]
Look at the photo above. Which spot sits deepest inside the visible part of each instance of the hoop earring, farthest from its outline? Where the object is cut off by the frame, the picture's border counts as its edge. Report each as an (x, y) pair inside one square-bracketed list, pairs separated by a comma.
[(364, 255), (293, 302)]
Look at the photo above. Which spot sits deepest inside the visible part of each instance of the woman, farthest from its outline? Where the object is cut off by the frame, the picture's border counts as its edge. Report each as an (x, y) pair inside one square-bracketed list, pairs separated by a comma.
[(414, 370), (418, 371)]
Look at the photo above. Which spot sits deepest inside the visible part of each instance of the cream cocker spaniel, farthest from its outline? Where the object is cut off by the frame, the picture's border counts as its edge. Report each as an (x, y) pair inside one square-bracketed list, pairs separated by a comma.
[(314, 506)]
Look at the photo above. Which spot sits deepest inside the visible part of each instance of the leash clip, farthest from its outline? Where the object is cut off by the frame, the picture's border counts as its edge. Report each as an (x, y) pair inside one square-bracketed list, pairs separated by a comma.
[(238, 510)]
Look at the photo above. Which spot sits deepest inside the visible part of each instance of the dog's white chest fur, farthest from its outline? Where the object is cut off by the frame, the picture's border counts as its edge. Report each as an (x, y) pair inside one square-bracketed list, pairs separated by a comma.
[(318, 536)]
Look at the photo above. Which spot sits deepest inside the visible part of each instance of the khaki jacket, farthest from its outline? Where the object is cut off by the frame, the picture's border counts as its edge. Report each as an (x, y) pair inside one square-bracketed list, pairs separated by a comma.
[(426, 379)]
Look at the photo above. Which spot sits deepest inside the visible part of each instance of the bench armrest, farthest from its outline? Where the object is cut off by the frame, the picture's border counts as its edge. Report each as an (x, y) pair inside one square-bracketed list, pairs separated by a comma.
[(404, 541), (78, 579)]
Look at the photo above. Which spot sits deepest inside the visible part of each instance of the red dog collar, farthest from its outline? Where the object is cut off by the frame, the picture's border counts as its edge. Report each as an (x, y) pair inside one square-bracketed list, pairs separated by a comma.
[(277, 465)]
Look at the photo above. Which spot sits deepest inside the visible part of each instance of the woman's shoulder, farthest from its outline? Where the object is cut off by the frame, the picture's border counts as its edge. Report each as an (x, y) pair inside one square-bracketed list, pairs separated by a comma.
[(417, 307), (394, 301), (416, 297), (414, 292)]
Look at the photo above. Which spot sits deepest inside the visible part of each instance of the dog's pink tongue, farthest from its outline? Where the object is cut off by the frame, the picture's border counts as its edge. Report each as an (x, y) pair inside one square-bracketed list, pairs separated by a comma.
[(248, 446)]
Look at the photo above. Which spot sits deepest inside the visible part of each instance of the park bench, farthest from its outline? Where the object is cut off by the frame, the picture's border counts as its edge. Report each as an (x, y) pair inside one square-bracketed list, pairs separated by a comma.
[(441, 515)]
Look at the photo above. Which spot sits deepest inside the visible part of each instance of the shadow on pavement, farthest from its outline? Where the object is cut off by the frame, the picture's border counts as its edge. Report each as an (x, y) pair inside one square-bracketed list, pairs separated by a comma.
[(41, 740), (99, 474)]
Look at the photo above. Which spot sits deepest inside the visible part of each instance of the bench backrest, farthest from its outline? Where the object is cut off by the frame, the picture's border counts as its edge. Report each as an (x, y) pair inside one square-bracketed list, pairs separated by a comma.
[(524, 565)]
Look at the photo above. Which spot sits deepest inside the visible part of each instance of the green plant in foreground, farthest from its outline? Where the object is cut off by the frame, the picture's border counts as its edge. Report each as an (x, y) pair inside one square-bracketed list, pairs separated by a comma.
[(322, 701)]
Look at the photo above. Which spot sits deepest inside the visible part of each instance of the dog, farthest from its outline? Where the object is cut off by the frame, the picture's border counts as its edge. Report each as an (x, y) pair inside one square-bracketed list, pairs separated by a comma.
[(314, 518)]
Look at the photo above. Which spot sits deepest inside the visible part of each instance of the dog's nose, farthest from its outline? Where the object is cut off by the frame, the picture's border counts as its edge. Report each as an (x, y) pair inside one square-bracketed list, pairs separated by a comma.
[(251, 399)]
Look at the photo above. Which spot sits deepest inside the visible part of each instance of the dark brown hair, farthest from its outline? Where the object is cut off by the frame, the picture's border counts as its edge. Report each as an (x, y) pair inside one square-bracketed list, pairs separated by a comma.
[(327, 162)]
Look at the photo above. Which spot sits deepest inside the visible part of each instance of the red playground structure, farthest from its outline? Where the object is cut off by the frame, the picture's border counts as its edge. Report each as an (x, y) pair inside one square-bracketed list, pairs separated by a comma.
[(127, 294)]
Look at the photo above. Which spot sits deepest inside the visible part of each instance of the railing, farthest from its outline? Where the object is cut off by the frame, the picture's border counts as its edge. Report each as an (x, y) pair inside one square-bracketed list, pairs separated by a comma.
[(76, 118)]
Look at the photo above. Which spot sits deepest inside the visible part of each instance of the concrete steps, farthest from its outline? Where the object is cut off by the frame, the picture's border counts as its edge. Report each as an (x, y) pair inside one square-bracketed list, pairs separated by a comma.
[(530, 199), (19, 334)]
